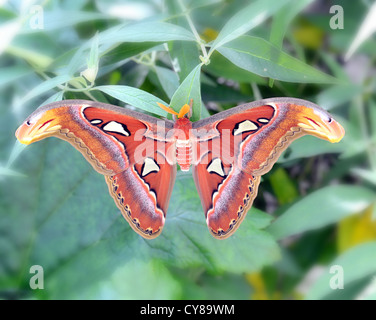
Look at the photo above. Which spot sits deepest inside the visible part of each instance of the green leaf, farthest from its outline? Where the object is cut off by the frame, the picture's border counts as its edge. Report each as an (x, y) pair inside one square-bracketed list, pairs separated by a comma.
[(146, 31), (135, 97), (221, 67), (45, 86), (189, 89), (168, 80), (184, 56), (261, 57), (357, 263), (283, 18), (246, 19), (321, 208)]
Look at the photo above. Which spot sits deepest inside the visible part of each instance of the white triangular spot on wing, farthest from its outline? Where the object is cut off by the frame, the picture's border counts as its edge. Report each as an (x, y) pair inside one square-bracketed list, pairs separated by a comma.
[(216, 167), (245, 126), (149, 166), (116, 127)]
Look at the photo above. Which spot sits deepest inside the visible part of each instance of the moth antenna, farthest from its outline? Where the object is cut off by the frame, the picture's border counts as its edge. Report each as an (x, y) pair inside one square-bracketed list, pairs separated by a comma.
[(167, 109), (184, 110), (190, 108)]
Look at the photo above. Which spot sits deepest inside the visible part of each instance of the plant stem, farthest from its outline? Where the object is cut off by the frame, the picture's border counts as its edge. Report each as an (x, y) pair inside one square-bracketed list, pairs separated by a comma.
[(204, 58)]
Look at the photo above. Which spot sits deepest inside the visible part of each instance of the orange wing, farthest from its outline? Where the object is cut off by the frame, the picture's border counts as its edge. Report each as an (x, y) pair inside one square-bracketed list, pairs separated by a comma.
[(129, 148), (235, 147)]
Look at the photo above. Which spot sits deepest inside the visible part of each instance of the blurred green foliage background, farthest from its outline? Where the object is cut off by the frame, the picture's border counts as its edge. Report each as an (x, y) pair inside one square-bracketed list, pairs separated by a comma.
[(315, 210)]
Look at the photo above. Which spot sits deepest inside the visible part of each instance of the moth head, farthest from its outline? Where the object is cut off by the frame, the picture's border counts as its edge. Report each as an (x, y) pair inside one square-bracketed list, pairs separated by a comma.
[(37, 126), (319, 123), (185, 110)]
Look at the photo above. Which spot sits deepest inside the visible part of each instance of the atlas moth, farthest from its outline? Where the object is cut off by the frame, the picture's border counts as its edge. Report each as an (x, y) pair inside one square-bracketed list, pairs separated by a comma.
[(138, 154)]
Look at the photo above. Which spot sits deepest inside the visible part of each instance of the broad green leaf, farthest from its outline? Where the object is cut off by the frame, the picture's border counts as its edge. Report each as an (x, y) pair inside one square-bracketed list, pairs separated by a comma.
[(357, 263), (45, 86), (261, 57), (246, 19), (184, 57), (126, 40), (147, 31), (223, 68), (168, 80), (321, 208), (135, 97), (283, 18), (189, 89)]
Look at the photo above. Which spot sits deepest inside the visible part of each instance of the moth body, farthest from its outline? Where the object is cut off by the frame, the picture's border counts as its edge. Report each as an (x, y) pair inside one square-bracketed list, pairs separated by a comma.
[(183, 143)]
